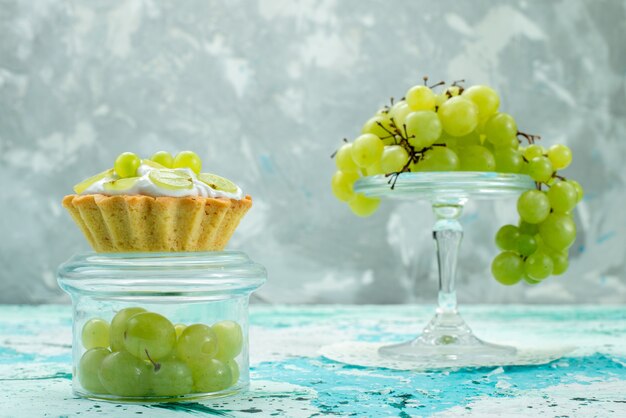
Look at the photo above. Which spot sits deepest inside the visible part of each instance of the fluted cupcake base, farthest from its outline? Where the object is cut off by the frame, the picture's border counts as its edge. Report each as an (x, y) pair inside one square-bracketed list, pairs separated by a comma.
[(145, 223)]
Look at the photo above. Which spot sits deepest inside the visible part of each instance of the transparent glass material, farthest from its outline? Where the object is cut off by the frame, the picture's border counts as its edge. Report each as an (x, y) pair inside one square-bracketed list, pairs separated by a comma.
[(447, 340), (186, 288)]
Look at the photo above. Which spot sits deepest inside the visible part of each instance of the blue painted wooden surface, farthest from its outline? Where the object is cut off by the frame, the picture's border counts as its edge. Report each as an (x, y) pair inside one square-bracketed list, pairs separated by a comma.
[(291, 379)]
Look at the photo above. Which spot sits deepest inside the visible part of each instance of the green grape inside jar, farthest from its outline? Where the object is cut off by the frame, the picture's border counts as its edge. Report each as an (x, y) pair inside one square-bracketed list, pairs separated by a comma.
[(153, 327)]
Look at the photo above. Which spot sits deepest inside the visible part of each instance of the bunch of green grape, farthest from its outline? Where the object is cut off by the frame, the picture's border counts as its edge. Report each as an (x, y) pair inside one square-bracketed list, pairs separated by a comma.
[(142, 354), (538, 246), (462, 129)]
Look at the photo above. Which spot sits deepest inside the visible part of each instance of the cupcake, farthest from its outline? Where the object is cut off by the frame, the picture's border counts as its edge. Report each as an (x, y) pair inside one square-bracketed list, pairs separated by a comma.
[(157, 204)]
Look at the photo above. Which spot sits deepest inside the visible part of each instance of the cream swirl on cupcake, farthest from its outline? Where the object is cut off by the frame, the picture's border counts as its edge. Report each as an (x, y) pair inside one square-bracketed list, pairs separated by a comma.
[(144, 185)]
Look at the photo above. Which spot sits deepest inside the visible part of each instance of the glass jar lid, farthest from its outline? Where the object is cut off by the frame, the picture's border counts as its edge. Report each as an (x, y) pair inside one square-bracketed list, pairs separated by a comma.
[(203, 274)]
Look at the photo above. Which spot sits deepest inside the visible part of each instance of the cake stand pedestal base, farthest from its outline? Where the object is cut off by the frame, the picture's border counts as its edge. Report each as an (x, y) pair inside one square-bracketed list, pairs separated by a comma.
[(448, 340)]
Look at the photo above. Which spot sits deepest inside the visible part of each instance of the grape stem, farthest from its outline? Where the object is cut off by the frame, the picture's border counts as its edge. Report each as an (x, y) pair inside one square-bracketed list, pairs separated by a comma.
[(157, 366), (337, 150), (441, 83), (529, 137), (391, 134), (414, 155)]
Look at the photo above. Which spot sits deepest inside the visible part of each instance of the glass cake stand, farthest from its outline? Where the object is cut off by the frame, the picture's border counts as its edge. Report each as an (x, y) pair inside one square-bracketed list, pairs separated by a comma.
[(447, 340)]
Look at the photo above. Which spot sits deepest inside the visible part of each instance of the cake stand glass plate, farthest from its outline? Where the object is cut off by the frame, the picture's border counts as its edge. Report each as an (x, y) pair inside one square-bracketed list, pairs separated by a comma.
[(447, 341)]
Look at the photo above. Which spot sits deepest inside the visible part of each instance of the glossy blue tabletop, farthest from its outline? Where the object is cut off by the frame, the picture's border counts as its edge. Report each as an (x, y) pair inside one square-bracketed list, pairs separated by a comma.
[(291, 379)]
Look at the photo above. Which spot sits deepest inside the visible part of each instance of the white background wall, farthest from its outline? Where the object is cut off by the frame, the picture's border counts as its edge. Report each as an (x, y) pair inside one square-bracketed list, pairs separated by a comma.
[(265, 90)]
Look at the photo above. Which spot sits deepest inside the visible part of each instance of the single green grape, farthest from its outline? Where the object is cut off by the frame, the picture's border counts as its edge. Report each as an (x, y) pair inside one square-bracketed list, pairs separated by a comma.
[(558, 231), (229, 339), (439, 159), (164, 158), (420, 98), (480, 128), (179, 328), (118, 327), (149, 336), (171, 378), (374, 169), (501, 129), (123, 374), (121, 184), (508, 160), (84, 185), (458, 115), (398, 113), (394, 159), (533, 151), (507, 268), (533, 206), (473, 138), (171, 179), (454, 91), (563, 197), (513, 143), (373, 126), (507, 237), (440, 99), (579, 190), (560, 260), (196, 344), (416, 166), (540, 169), (485, 98), (538, 265), (342, 185), (188, 159), (526, 245), (560, 155), (383, 111), (88, 368), (476, 158), (234, 370), (211, 376), (527, 228), (530, 280), (363, 206), (366, 150), (152, 164), (95, 333), (217, 182), (344, 161), (126, 164), (451, 142), (423, 128)]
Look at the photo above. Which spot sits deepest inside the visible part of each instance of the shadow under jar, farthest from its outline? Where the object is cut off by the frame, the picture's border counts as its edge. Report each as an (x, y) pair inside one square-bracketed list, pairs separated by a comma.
[(153, 327)]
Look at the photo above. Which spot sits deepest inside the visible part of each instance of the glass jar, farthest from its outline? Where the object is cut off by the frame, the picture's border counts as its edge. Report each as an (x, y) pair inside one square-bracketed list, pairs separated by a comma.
[(160, 326)]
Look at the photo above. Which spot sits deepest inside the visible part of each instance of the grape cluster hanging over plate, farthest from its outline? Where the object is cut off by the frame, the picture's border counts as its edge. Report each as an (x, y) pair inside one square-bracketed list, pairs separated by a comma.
[(451, 128)]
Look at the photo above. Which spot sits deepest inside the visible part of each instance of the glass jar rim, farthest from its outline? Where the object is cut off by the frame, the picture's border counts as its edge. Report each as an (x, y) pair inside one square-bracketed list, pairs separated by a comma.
[(202, 274)]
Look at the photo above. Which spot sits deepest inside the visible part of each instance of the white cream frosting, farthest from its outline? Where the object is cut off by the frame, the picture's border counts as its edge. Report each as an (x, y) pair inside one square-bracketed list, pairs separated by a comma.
[(145, 186)]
